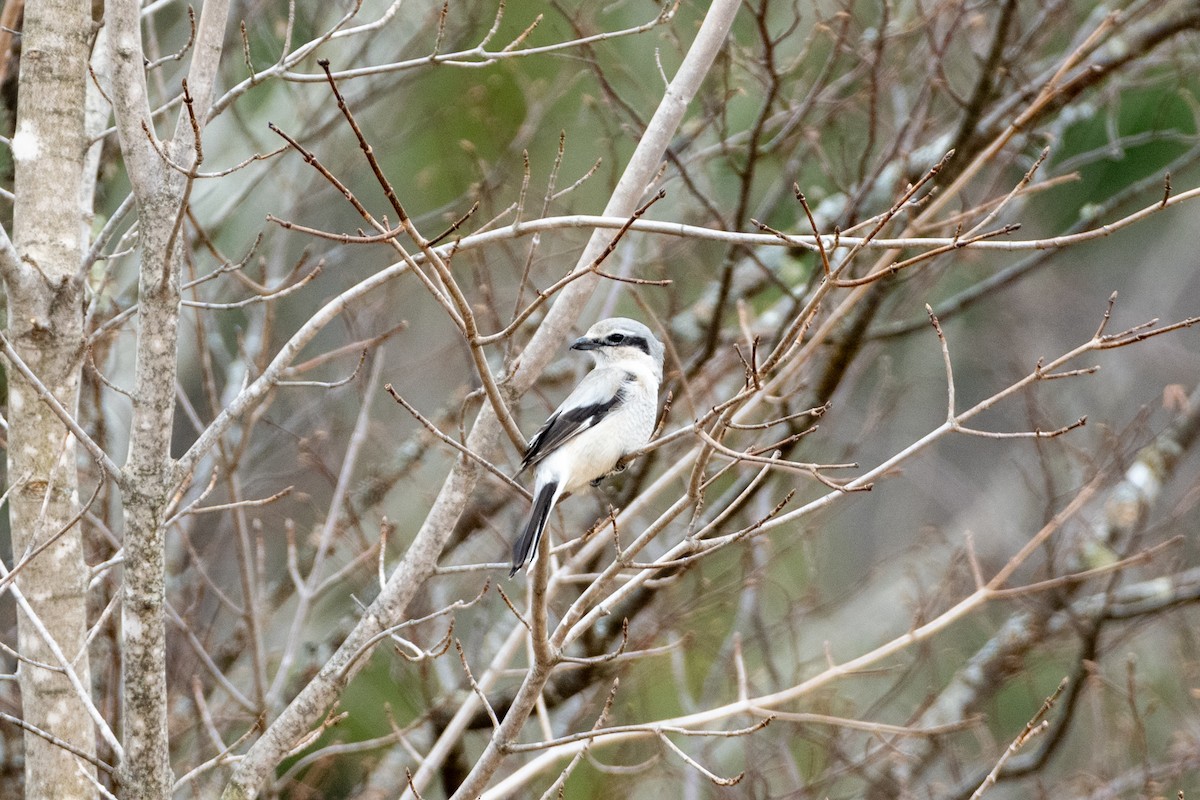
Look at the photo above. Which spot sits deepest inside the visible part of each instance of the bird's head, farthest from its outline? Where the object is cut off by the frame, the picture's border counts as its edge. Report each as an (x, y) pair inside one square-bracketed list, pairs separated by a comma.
[(618, 339)]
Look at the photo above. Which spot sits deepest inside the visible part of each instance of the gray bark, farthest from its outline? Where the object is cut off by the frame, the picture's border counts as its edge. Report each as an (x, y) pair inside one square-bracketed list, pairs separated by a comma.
[(161, 194), (45, 325)]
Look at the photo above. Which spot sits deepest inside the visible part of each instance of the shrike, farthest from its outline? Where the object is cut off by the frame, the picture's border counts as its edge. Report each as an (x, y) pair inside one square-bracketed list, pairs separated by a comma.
[(610, 414)]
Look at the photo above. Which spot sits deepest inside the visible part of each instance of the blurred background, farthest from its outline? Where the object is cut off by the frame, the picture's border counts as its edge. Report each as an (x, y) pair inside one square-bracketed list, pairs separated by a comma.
[(850, 102)]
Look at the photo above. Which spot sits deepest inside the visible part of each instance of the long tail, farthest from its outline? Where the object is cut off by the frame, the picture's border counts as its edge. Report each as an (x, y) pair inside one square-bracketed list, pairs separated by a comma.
[(525, 548)]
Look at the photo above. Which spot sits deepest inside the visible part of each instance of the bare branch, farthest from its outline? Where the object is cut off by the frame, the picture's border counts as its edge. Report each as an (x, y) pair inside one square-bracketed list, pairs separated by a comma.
[(1032, 728)]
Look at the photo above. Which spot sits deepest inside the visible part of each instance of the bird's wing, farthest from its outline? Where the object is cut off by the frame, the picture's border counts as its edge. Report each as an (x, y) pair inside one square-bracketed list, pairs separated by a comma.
[(596, 396)]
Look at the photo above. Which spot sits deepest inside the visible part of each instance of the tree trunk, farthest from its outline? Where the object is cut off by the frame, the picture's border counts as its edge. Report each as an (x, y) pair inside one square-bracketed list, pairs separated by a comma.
[(148, 477), (45, 326)]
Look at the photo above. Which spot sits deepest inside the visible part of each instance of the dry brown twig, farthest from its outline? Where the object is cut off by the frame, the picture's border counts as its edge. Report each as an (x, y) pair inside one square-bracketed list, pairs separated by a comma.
[(1035, 726)]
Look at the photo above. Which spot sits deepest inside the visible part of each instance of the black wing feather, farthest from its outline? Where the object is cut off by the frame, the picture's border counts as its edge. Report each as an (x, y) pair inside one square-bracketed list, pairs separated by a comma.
[(565, 425)]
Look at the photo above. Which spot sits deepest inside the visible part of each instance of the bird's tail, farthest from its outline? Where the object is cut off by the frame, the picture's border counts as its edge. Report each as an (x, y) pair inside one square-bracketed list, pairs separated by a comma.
[(525, 548)]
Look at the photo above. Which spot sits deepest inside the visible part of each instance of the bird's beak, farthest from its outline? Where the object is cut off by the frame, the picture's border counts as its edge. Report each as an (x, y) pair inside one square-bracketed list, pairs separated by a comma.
[(584, 343)]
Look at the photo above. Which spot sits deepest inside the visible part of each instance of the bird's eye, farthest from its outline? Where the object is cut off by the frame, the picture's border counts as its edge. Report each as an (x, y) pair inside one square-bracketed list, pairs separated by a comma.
[(616, 338)]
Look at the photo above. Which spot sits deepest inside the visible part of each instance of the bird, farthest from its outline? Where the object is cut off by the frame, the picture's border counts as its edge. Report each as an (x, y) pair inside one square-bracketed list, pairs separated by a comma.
[(610, 414)]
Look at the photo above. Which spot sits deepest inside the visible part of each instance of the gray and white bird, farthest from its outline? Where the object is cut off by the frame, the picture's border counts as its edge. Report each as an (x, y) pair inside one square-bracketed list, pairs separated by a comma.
[(610, 414)]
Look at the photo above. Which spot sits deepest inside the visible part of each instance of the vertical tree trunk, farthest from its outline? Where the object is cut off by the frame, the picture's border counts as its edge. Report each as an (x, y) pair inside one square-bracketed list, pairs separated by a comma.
[(146, 774), (148, 477), (45, 326)]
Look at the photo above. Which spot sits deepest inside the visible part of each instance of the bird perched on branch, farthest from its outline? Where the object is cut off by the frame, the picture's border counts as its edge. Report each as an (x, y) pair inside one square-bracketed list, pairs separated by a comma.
[(610, 414)]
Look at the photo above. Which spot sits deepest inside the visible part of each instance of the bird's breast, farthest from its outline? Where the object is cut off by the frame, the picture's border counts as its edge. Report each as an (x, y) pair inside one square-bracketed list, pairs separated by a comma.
[(595, 452)]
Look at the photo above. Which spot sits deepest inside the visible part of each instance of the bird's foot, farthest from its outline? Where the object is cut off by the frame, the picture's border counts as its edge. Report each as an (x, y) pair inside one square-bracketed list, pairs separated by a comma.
[(617, 470)]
